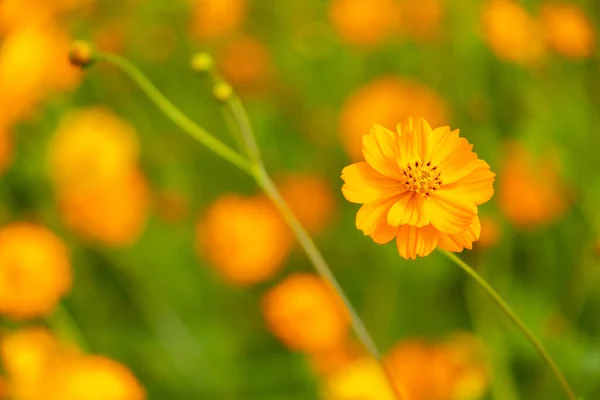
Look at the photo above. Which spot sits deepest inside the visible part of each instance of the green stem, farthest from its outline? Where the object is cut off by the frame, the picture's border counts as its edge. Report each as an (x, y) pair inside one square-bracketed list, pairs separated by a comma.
[(63, 323), (517, 321), (178, 117)]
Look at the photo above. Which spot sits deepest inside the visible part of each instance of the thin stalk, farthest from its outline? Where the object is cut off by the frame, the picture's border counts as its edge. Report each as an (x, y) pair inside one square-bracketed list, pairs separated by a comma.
[(176, 115), (62, 322), (517, 321)]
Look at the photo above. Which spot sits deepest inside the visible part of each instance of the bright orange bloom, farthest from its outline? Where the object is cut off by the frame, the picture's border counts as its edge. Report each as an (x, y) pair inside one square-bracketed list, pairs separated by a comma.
[(512, 34), (245, 239), (419, 185), (212, 19), (568, 30), (111, 212), (364, 23), (531, 192), (35, 271), (246, 63), (92, 377), (453, 369), (311, 199), (386, 100), (303, 313)]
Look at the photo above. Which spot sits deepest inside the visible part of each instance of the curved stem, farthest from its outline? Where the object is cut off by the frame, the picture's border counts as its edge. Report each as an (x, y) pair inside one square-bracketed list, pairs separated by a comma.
[(517, 321), (178, 117)]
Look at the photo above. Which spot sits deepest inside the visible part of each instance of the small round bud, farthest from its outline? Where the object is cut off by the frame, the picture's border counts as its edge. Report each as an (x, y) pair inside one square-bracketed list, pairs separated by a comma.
[(202, 62), (81, 54), (222, 91)]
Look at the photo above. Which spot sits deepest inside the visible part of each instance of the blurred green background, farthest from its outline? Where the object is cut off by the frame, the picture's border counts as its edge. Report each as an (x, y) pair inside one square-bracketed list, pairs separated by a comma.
[(501, 72)]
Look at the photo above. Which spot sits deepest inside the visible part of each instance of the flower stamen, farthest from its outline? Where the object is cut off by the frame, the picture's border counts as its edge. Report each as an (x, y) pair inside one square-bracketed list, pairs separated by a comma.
[(422, 178)]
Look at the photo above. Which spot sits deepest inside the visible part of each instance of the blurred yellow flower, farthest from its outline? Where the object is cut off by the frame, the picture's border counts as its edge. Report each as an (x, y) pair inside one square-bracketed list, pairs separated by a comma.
[(326, 361), (363, 23), (35, 271), (246, 63), (304, 313), (213, 19), (92, 377), (33, 65), (419, 185), (512, 34), (451, 370), (386, 101), (360, 379), (112, 212), (91, 146), (530, 192), (568, 30), (244, 239), (311, 199)]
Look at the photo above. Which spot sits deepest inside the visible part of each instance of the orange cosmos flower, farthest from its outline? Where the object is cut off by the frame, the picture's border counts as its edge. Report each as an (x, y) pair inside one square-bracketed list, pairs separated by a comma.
[(303, 313), (490, 232), (34, 270), (512, 34), (568, 30), (92, 377), (364, 23), (311, 199), (212, 19), (421, 186), (531, 192), (386, 100), (245, 239)]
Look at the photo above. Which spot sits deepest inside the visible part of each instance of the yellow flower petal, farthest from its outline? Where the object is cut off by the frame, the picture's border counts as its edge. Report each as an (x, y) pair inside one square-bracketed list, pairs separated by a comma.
[(476, 186), (412, 241), (411, 209), (380, 148), (450, 212), (363, 184), (415, 141), (458, 242), (371, 220)]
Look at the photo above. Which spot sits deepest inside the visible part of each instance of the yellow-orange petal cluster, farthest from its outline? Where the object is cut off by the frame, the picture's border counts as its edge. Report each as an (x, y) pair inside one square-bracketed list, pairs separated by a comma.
[(568, 30), (511, 33), (214, 19), (530, 191), (419, 185), (35, 270), (303, 312), (311, 199), (452, 369), (40, 367), (243, 238), (101, 192), (386, 101)]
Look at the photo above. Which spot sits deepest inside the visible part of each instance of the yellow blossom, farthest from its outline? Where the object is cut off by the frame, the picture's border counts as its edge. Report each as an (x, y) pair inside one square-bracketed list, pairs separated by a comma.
[(568, 30), (420, 186)]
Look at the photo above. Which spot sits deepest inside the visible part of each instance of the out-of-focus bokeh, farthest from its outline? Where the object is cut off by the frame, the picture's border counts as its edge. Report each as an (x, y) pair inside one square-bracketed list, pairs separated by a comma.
[(136, 264)]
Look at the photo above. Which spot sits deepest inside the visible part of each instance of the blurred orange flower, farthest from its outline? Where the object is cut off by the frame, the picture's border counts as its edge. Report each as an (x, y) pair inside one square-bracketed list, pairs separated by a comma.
[(90, 146), (35, 271), (386, 101), (419, 185), (212, 19), (102, 195), (92, 377), (453, 369), (364, 23), (112, 212), (531, 192), (490, 232), (304, 313), (311, 199), (512, 34), (421, 20), (568, 30), (246, 63), (245, 239)]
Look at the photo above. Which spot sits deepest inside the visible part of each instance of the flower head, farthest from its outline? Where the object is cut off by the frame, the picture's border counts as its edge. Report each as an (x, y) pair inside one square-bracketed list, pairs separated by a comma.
[(35, 271), (419, 185), (568, 30)]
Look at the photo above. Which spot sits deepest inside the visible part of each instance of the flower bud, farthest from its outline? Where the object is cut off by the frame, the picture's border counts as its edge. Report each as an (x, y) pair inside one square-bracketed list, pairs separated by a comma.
[(81, 54)]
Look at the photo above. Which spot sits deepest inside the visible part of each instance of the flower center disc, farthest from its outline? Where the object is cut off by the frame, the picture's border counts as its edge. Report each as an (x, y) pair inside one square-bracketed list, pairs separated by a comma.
[(422, 178)]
